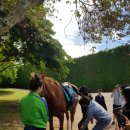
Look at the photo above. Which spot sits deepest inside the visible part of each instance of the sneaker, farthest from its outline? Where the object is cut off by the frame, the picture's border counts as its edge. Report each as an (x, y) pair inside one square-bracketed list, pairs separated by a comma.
[(113, 123)]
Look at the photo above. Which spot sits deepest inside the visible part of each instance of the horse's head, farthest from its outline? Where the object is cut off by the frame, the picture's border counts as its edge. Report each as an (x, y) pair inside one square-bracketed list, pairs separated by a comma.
[(42, 94), (49, 85)]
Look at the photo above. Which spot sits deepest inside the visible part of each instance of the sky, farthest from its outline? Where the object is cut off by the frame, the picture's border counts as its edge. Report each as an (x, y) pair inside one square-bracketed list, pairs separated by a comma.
[(67, 33)]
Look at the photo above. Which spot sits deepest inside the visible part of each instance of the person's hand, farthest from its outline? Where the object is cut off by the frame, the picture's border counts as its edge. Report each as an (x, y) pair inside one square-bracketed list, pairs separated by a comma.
[(80, 128), (128, 126)]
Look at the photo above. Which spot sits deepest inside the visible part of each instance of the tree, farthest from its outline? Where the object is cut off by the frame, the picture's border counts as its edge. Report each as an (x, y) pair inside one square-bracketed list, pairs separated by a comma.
[(8, 71), (30, 43), (98, 18), (18, 14)]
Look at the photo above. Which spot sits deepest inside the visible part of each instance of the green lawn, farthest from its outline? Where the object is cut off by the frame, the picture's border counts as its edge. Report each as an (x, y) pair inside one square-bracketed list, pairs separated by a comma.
[(9, 108)]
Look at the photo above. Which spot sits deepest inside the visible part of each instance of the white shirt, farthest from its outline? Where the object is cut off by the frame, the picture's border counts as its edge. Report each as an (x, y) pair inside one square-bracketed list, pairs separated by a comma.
[(117, 98)]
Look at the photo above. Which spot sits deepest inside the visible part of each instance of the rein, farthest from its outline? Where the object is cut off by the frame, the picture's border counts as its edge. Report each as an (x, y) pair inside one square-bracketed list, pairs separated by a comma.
[(44, 88)]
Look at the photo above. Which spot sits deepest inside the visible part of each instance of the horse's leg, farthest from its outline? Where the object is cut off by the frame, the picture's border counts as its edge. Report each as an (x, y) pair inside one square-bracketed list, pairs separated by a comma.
[(51, 123), (67, 117), (72, 113), (61, 121)]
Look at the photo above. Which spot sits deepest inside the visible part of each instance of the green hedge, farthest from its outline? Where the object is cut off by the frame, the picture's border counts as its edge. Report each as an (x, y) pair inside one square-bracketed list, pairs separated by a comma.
[(102, 70)]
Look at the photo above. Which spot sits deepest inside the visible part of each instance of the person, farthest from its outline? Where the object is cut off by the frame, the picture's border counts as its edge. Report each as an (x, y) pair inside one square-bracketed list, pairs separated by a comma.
[(33, 108), (94, 111), (83, 90), (126, 93), (117, 100), (100, 99)]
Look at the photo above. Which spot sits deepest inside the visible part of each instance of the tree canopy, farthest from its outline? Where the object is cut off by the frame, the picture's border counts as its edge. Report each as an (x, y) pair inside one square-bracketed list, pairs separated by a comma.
[(26, 34), (96, 18), (30, 42)]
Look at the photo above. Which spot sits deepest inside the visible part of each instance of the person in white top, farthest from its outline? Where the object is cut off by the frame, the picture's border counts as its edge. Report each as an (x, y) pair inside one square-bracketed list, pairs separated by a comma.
[(117, 100), (94, 111)]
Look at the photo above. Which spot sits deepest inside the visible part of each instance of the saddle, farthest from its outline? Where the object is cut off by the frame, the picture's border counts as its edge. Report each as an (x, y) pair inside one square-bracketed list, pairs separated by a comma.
[(69, 93)]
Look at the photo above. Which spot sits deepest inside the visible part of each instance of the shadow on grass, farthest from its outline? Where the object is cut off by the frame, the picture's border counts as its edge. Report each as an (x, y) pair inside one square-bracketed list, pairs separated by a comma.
[(4, 92), (9, 116)]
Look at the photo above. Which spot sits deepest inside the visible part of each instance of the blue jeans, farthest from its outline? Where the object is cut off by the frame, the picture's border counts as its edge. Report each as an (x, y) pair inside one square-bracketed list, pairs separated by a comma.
[(33, 128), (101, 125)]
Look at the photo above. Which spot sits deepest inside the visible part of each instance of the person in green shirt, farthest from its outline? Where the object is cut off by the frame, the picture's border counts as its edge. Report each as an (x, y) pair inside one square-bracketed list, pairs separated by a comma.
[(33, 108)]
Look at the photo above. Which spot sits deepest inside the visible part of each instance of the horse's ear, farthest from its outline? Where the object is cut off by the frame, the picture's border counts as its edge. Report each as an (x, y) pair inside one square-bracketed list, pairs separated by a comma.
[(43, 76)]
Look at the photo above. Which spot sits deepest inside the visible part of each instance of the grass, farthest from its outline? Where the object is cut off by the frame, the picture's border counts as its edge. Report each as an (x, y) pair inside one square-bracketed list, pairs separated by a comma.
[(9, 108), (11, 94)]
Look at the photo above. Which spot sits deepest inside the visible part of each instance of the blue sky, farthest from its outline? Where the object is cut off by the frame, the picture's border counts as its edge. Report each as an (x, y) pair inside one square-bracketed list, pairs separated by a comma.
[(68, 34)]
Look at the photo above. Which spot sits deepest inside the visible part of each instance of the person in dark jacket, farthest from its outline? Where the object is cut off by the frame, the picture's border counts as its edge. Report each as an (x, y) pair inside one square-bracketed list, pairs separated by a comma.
[(83, 90), (100, 99)]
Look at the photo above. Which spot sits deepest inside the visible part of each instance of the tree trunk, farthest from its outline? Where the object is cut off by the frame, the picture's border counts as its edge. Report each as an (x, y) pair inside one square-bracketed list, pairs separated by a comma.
[(17, 15)]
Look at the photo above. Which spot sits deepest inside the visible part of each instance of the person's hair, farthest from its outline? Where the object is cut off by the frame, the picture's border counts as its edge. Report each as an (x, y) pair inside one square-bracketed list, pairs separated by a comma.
[(99, 90), (35, 82), (83, 90), (90, 96), (85, 100), (118, 85)]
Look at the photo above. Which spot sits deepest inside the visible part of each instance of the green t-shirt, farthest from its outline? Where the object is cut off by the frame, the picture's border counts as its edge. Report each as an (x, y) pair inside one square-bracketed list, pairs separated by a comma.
[(33, 111)]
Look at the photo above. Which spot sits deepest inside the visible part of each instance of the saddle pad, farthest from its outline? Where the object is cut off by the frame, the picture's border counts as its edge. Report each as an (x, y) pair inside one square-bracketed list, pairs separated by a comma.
[(69, 93)]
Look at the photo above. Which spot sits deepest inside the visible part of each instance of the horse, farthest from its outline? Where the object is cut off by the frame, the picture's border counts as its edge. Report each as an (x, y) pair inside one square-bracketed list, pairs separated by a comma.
[(57, 104)]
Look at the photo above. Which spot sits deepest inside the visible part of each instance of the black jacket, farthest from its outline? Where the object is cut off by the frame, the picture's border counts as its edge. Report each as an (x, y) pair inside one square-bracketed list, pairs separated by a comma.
[(101, 101)]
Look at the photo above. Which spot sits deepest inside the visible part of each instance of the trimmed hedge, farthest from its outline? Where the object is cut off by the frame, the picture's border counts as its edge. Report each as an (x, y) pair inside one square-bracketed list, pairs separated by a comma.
[(102, 70)]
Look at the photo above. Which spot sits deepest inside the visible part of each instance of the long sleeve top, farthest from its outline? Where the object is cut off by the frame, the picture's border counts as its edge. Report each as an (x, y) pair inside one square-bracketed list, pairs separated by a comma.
[(33, 111), (96, 111)]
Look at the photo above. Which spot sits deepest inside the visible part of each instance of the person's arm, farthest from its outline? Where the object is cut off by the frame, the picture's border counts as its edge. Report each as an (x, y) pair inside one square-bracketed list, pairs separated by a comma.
[(89, 117), (96, 98), (44, 109), (105, 106), (113, 93), (44, 113), (127, 123)]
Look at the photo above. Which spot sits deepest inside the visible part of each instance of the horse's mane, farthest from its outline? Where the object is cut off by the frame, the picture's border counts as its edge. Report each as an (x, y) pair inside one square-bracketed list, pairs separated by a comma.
[(51, 80)]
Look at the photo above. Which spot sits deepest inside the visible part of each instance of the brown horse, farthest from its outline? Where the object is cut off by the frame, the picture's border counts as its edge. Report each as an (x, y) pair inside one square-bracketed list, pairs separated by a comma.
[(57, 104)]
